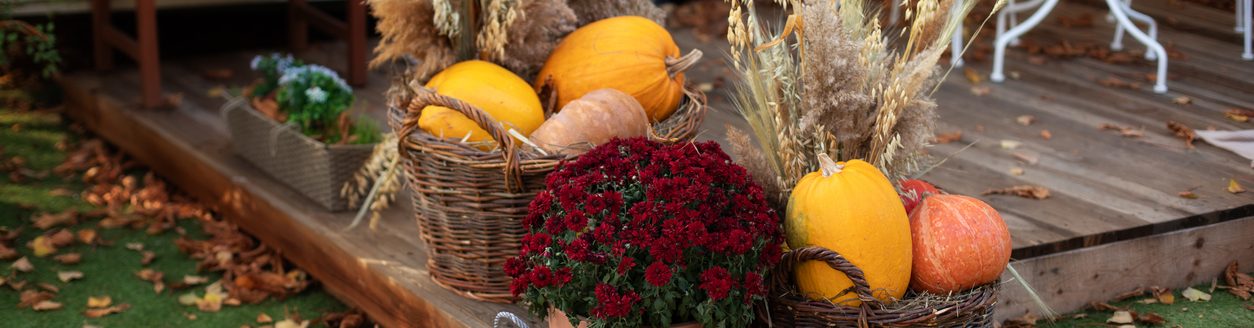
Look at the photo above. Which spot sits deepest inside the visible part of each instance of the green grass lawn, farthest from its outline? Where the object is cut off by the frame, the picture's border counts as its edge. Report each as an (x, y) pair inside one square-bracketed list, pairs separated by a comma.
[(107, 270), (1224, 310)]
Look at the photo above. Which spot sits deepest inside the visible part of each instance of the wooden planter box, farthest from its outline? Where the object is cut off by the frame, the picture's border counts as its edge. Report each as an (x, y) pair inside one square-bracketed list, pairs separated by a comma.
[(314, 169)]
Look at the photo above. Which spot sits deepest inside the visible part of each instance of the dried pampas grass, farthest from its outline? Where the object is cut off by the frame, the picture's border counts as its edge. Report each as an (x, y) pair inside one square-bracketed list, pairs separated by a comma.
[(594, 10), (832, 81), (409, 30)]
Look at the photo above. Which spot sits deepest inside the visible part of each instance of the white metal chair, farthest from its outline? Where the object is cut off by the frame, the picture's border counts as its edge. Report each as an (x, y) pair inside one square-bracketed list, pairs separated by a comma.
[(1245, 24)]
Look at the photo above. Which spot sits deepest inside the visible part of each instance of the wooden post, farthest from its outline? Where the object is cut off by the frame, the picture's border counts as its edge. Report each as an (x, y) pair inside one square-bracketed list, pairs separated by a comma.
[(298, 25), (149, 61), (99, 24), (356, 43)]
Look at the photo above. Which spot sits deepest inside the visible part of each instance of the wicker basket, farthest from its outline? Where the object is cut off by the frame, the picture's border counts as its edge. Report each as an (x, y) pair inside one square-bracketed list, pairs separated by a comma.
[(312, 168), (470, 203), (789, 308)]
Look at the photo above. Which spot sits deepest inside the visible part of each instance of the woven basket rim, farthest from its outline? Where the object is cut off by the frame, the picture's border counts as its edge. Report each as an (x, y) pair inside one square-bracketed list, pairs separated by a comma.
[(252, 110)]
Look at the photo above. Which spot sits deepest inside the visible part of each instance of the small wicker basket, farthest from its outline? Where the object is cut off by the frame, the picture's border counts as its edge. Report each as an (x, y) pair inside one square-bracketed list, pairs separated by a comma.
[(312, 168), (470, 203), (789, 308)]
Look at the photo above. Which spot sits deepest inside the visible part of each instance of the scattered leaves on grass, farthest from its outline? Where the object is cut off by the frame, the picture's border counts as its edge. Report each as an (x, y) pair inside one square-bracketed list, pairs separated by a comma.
[(101, 312), (153, 276), (7, 253), (188, 299), (1120, 317), (1234, 187), (1194, 295), (1025, 191), (87, 236), (194, 280), (1187, 195), (49, 287), (22, 265), (1182, 100), (1182, 131), (1045, 134), (212, 301), (349, 319), (948, 137), (1126, 132), (138, 247), (1239, 115), (1025, 120), (147, 258), (60, 192), (62, 238), (264, 318), (1164, 296), (46, 306), (259, 272), (49, 220), (1150, 318), (290, 323), (67, 276), (30, 297), (1240, 284), (42, 246), (94, 302)]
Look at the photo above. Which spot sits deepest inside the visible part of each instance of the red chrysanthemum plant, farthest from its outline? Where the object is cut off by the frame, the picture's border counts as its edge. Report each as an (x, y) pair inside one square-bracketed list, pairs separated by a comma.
[(636, 233)]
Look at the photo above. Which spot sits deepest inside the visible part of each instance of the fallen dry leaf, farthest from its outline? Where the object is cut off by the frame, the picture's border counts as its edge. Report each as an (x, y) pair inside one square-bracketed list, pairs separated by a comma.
[(7, 253), (1045, 134), (138, 247), (188, 299), (1126, 132), (264, 318), (1029, 158), (46, 306), (289, 323), (1115, 82), (94, 302), (1016, 171), (1150, 318), (194, 280), (60, 192), (972, 75), (948, 137), (153, 276), (1025, 120), (42, 246), (1025, 191), (87, 236), (147, 258), (49, 287), (1010, 144), (46, 221), (1187, 195), (29, 298), (69, 258), (1182, 100), (62, 238), (1120, 317), (1194, 295), (1182, 131), (97, 313), (1239, 115), (1240, 284), (1164, 295), (67, 276), (22, 265), (981, 90), (1234, 187)]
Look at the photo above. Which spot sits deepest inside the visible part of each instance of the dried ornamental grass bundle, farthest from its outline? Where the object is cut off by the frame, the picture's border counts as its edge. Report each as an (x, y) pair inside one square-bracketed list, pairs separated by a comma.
[(832, 81), (520, 34), (594, 10), (408, 29)]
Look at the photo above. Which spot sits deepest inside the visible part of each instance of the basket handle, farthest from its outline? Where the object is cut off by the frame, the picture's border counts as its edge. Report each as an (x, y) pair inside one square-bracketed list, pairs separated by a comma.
[(838, 262), (424, 97)]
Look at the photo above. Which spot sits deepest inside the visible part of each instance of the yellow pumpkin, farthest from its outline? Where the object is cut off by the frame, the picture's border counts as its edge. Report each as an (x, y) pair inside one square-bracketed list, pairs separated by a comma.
[(505, 96), (631, 54), (850, 208)]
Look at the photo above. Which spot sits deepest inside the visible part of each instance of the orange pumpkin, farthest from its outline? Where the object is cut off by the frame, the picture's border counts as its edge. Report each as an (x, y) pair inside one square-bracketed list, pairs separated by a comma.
[(959, 242), (631, 54)]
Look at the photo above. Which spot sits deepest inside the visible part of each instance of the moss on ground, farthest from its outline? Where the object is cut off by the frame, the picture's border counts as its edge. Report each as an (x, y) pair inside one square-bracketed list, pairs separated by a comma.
[(107, 270)]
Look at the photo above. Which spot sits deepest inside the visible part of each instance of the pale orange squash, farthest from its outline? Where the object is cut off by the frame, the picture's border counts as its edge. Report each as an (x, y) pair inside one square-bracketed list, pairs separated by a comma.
[(592, 120), (959, 243), (852, 209), (631, 54)]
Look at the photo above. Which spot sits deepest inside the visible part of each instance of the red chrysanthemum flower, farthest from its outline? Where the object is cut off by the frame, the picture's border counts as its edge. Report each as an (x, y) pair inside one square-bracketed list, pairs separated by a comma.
[(658, 274), (716, 282)]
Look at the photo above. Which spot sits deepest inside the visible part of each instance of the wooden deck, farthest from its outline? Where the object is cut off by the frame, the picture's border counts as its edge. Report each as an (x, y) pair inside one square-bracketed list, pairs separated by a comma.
[(1112, 197)]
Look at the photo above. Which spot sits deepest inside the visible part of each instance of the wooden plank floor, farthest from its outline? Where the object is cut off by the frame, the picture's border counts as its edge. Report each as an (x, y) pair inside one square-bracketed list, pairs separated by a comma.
[(1106, 188)]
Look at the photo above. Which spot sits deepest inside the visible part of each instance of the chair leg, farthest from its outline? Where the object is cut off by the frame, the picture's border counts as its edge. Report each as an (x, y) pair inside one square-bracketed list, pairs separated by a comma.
[(1248, 19), (149, 60), (1117, 9), (1144, 19), (1003, 39), (1240, 13), (955, 44)]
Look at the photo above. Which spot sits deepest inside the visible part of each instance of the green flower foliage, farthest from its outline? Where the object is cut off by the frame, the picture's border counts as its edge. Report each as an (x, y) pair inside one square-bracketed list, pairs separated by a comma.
[(37, 41)]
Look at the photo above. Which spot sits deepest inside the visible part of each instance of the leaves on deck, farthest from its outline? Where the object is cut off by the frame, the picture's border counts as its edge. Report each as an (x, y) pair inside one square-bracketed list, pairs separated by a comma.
[(1025, 120), (1045, 134), (948, 137), (1239, 115), (1234, 187), (1182, 131), (1126, 132), (1025, 191), (1112, 81), (1187, 194), (1182, 100)]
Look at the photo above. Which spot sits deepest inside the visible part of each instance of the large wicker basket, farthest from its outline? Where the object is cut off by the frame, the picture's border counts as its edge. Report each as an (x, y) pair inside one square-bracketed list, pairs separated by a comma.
[(312, 168), (789, 308), (470, 203)]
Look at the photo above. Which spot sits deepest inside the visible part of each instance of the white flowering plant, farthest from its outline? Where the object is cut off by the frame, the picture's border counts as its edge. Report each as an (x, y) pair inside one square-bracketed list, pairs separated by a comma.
[(271, 68), (315, 98)]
